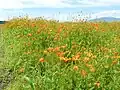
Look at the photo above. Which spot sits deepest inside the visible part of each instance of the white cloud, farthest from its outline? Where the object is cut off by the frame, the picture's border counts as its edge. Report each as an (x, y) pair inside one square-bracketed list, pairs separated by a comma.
[(7, 4), (94, 3), (110, 2), (110, 13)]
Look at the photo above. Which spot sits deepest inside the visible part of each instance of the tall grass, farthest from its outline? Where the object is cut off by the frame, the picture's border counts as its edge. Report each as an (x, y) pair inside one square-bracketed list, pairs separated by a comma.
[(49, 55)]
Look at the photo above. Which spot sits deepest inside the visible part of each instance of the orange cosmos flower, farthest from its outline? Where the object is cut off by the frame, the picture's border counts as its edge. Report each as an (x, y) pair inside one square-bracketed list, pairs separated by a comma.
[(97, 84), (103, 30), (86, 59), (59, 30), (89, 54), (50, 49), (29, 34), (65, 60), (114, 62), (21, 70), (75, 68), (83, 73), (63, 46), (92, 69), (33, 25), (38, 31), (89, 65), (116, 53), (56, 49), (41, 60), (77, 56), (60, 54), (94, 56), (83, 48), (116, 57)]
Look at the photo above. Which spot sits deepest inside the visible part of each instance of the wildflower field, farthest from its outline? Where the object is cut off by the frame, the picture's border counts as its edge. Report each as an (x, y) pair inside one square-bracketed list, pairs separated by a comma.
[(50, 55)]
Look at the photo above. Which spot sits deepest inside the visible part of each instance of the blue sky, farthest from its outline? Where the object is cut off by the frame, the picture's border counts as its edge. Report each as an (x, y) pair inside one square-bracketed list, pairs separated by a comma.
[(60, 9)]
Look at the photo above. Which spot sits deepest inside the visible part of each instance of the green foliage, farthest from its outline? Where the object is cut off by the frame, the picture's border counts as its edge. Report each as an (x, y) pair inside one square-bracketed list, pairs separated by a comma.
[(49, 55)]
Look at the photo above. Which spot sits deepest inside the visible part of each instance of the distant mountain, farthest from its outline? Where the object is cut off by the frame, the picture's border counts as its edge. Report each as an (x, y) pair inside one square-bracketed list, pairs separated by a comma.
[(107, 19)]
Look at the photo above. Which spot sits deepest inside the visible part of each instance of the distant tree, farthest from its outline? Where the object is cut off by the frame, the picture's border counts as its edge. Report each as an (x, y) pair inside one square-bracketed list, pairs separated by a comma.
[(2, 22)]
